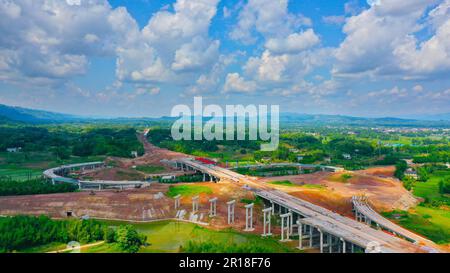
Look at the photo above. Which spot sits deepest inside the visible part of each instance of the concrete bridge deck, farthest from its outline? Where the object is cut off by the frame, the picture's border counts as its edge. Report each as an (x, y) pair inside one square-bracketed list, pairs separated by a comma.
[(367, 214), (337, 225), (316, 217), (56, 175)]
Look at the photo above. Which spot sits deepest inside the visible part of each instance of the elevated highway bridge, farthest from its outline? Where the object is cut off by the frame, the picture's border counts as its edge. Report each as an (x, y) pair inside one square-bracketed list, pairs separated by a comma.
[(326, 230), (320, 227), (366, 214)]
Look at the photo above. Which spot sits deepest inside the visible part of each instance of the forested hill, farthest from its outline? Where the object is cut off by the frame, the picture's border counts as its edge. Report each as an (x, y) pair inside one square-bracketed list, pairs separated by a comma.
[(19, 114)]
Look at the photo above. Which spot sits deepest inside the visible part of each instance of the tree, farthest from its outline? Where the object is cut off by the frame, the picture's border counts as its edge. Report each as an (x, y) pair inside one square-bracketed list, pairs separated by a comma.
[(129, 239), (110, 235), (444, 186), (400, 169)]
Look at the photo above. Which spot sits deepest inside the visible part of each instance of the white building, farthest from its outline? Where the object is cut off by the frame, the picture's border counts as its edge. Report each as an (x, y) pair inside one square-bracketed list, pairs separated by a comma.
[(346, 156), (14, 150)]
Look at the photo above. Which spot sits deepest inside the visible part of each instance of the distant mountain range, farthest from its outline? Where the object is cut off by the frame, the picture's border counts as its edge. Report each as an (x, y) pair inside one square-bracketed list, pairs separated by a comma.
[(308, 119), (19, 114), (11, 114), (443, 116)]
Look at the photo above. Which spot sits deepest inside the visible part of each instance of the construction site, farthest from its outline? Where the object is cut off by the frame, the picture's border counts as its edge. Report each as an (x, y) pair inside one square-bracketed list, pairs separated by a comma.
[(314, 213)]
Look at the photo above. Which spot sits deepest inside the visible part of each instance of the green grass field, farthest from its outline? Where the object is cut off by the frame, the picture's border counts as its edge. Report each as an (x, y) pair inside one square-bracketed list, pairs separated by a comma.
[(314, 186), (19, 173), (45, 248), (286, 183), (187, 190), (23, 166), (150, 169), (290, 184), (171, 237), (430, 190), (432, 223)]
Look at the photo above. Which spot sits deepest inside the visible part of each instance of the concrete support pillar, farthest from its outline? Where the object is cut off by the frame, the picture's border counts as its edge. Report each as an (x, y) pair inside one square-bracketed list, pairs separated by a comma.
[(213, 207), (267, 221), (195, 200), (231, 206), (330, 243), (321, 241), (311, 229), (291, 223), (300, 235), (285, 226), (249, 217), (177, 201), (344, 247)]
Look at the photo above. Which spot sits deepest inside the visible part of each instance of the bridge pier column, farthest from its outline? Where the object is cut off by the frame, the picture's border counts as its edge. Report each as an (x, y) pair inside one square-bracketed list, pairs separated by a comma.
[(249, 217), (311, 236), (195, 204), (291, 223), (285, 218), (321, 241), (343, 246), (267, 221), (177, 201), (300, 235), (330, 243), (231, 205), (213, 207)]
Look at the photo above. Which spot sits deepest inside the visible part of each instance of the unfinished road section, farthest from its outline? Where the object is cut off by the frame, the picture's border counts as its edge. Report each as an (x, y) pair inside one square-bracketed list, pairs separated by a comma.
[(326, 230), (365, 213), (58, 175)]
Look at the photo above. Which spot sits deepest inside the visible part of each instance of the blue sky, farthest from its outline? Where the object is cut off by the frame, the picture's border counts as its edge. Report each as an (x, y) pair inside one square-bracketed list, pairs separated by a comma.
[(142, 57)]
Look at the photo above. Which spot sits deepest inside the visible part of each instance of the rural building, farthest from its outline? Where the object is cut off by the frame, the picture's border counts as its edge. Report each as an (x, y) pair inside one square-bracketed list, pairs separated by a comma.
[(411, 173), (347, 156), (14, 150), (168, 177)]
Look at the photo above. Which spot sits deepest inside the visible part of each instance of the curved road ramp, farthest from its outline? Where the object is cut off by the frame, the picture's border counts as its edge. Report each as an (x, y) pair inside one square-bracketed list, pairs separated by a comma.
[(317, 226), (57, 175), (366, 214)]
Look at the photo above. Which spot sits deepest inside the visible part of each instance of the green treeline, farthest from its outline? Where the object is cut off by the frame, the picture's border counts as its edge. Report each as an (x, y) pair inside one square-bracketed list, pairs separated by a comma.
[(108, 142), (65, 141), (162, 138), (22, 232), (269, 171), (444, 186), (38, 186)]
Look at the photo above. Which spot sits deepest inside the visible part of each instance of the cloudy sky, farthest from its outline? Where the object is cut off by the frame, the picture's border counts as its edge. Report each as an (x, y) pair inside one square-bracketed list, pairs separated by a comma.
[(142, 57)]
